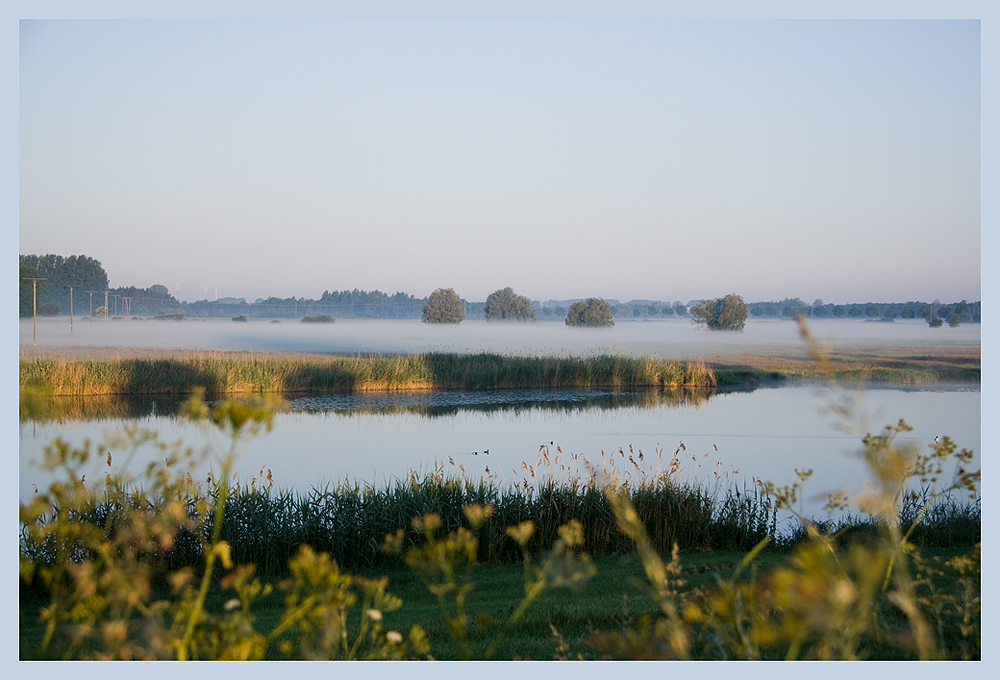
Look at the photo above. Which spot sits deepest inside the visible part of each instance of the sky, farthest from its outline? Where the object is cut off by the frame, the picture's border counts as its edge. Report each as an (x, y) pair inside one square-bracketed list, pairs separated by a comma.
[(665, 159)]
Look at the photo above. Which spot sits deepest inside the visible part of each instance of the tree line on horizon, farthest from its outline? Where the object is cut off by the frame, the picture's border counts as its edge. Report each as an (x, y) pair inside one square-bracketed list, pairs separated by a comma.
[(90, 283)]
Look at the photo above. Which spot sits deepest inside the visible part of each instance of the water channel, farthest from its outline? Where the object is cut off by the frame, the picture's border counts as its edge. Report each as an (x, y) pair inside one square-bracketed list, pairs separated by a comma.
[(728, 438)]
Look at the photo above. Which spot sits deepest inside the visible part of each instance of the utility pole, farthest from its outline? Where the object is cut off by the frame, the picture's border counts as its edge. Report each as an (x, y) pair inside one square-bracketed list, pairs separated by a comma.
[(70, 309), (105, 304), (92, 302), (34, 304)]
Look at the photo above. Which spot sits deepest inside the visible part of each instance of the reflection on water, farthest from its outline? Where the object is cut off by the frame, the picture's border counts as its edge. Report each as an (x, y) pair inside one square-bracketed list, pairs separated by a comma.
[(443, 403), (430, 403), (378, 438)]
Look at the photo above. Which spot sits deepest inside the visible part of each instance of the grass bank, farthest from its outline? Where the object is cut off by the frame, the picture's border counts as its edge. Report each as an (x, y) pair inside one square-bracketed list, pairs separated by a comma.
[(233, 373), (903, 365), (266, 529), (243, 373)]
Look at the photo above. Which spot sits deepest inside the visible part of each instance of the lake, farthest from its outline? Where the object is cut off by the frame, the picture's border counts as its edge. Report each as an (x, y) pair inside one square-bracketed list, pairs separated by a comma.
[(733, 437), (729, 438)]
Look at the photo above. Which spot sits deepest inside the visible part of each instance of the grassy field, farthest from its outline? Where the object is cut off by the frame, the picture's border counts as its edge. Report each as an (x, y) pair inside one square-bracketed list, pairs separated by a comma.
[(225, 373), (609, 601), (899, 365), (561, 623), (241, 373)]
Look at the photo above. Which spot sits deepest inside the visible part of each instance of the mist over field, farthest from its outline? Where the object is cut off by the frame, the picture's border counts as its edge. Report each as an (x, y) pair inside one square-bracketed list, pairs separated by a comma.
[(669, 338)]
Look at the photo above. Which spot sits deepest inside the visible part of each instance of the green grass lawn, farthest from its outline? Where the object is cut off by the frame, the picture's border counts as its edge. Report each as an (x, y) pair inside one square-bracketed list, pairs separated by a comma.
[(611, 600)]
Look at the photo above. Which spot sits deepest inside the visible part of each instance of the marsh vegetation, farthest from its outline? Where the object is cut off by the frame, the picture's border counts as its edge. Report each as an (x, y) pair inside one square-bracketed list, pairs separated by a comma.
[(881, 583), (157, 560)]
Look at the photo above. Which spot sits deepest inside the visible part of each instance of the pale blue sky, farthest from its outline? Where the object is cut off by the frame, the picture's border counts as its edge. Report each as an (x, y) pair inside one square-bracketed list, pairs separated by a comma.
[(658, 159)]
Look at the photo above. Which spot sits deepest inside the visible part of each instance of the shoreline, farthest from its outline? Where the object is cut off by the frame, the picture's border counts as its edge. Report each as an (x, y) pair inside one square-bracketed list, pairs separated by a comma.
[(775, 358), (79, 371)]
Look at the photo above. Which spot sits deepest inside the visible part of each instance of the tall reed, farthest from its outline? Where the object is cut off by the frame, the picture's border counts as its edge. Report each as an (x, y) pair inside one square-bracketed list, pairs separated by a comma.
[(238, 373)]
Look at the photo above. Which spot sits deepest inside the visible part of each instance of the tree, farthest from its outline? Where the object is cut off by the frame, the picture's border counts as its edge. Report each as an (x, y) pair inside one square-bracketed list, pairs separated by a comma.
[(506, 305), (722, 314), (594, 312), (82, 272), (954, 320), (444, 306)]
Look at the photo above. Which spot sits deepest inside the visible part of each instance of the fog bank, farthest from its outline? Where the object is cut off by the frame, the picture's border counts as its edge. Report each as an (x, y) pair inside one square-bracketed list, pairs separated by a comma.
[(674, 338)]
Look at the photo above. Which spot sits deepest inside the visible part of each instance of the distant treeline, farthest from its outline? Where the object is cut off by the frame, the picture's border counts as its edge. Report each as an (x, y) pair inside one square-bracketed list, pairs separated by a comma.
[(359, 304), (876, 311), (91, 292)]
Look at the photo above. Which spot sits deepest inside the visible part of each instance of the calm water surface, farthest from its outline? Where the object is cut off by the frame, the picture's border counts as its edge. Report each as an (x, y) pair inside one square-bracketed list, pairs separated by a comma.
[(730, 438)]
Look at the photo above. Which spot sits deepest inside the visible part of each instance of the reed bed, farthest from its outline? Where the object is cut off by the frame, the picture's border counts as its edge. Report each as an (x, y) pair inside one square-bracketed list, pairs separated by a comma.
[(237, 373), (265, 526)]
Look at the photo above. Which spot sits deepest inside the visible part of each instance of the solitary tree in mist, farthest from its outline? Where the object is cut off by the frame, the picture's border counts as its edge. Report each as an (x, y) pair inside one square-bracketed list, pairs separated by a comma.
[(506, 305), (594, 312), (722, 314), (444, 306)]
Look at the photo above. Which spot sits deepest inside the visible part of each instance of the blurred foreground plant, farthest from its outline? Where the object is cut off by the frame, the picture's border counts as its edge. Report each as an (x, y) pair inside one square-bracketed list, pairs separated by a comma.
[(445, 565), (836, 599), (96, 549)]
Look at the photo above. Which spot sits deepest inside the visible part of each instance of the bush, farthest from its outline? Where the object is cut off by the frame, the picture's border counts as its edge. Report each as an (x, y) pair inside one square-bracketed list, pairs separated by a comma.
[(322, 318), (444, 306), (593, 312), (722, 314), (506, 305)]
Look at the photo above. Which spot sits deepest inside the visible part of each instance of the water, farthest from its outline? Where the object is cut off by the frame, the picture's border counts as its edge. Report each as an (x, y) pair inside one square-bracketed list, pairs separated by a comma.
[(730, 438), (377, 438)]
